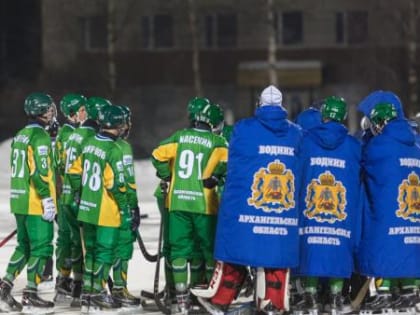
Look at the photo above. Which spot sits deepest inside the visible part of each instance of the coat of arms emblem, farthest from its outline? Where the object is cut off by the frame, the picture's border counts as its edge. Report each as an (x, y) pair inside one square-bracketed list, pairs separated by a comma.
[(409, 198), (325, 199), (273, 188)]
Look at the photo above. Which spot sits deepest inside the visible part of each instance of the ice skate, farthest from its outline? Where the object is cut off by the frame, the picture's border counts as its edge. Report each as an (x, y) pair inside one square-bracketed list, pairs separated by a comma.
[(123, 296), (76, 290), (169, 296), (99, 303), (269, 309), (296, 294), (405, 302), (63, 289), (7, 302), (212, 308), (183, 301), (338, 304), (308, 305), (33, 304), (378, 304)]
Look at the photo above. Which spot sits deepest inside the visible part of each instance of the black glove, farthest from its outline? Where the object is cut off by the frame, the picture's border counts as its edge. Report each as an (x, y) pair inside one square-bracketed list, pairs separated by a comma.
[(210, 182), (164, 184), (135, 218)]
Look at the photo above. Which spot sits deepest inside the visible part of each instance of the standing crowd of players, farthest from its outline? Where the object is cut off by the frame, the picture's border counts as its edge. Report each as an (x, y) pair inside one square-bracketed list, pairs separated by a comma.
[(85, 181), (302, 202)]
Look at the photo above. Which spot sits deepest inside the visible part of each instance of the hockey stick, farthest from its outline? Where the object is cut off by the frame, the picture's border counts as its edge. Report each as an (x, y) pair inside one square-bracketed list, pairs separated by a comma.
[(149, 295), (7, 238), (211, 290), (355, 304), (156, 294), (146, 254)]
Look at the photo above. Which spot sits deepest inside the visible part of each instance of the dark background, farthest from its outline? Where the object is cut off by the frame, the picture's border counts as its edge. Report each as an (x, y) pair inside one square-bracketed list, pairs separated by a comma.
[(333, 47)]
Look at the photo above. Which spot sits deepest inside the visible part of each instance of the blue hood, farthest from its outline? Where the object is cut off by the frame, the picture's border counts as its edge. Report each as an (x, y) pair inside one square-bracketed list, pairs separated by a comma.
[(273, 118), (329, 135), (400, 130), (309, 118), (376, 97)]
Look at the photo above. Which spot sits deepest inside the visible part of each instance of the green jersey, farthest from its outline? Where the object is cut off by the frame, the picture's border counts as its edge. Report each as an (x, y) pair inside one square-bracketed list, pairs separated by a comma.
[(33, 177), (61, 145), (188, 157), (76, 143), (129, 174), (100, 172)]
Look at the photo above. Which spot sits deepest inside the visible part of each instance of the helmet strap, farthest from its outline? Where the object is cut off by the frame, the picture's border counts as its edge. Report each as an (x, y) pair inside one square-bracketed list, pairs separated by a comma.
[(218, 129), (43, 121), (202, 125)]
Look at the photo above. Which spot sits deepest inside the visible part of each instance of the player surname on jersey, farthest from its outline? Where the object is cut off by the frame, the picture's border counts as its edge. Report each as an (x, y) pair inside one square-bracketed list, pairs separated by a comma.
[(196, 140)]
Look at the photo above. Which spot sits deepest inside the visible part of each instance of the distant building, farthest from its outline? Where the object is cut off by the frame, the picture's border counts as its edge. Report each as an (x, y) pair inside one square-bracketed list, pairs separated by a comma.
[(343, 47)]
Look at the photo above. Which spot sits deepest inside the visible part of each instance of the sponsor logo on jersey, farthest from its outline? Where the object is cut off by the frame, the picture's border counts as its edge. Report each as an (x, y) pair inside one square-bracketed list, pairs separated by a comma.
[(127, 160), (273, 188), (325, 199), (120, 166), (43, 150), (409, 198)]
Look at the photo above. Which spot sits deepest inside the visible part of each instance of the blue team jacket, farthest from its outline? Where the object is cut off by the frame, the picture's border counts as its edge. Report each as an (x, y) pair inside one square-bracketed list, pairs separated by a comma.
[(390, 245), (330, 201), (258, 218)]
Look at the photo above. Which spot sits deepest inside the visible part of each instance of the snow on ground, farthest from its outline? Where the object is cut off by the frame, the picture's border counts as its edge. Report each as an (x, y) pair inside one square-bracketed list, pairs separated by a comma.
[(141, 272)]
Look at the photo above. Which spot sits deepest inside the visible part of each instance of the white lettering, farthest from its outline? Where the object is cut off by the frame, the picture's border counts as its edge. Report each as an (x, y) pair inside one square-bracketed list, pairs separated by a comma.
[(401, 230), (411, 240), (328, 162), (244, 218), (307, 230), (324, 240), (276, 150), (410, 162), (270, 230), (196, 140)]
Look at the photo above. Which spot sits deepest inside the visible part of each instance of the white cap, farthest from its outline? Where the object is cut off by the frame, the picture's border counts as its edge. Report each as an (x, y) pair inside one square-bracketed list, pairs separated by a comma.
[(271, 96)]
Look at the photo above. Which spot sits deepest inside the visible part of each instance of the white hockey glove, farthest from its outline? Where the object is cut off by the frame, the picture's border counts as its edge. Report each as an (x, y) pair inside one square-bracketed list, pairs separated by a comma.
[(49, 209)]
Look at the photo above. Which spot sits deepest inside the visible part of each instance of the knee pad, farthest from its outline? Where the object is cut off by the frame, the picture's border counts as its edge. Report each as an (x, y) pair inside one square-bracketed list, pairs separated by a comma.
[(229, 285), (273, 287)]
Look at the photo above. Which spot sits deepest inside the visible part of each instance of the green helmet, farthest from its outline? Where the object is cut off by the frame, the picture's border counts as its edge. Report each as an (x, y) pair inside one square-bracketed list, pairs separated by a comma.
[(111, 117), (382, 113), (94, 105), (127, 113), (70, 103), (219, 118), (334, 108), (195, 105), (37, 104), (220, 115), (210, 115)]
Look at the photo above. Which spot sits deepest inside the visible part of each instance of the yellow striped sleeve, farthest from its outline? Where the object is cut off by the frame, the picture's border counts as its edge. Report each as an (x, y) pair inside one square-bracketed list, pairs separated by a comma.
[(76, 167), (165, 152), (218, 155)]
